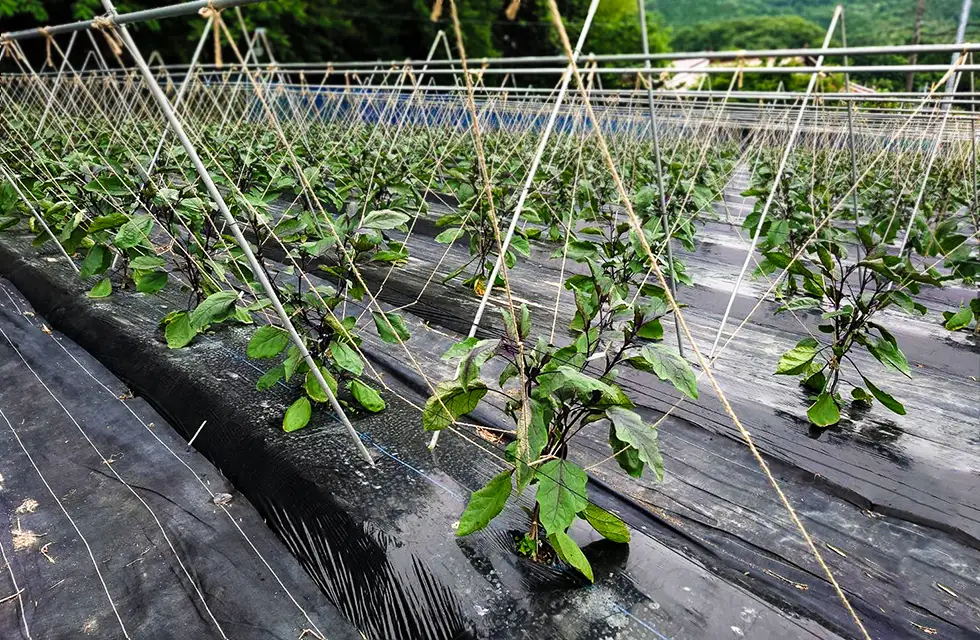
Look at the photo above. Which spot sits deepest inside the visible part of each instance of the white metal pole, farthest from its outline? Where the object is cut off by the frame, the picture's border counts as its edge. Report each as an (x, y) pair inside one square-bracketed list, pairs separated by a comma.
[(671, 276), (57, 83), (779, 174), (257, 268), (531, 172), (180, 92)]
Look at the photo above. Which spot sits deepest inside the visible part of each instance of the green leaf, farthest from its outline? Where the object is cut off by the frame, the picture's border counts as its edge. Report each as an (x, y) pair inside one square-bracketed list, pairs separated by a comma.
[(449, 402), (215, 308), (561, 494), (861, 395), (824, 411), (799, 304), (521, 245), (292, 362), (267, 342), (270, 378), (796, 360), (135, 232), (582, 383), (297, 415), (509, 371), (150, 281), (449, 235), (894, 405), (390, 256), (346, 358), (608, 525), (570, 553), (460, 348), (179, 331), (778, 233), (400, 333), (110, 221), (97, 261), (631, 429), (313, 388), (888, 354), (627, 456), (960, 319), (671, 367), (384, 219), (906, 303), (147, 262), (485, 504), (652, 330), (108, 184), (101, 290), (366, 396)]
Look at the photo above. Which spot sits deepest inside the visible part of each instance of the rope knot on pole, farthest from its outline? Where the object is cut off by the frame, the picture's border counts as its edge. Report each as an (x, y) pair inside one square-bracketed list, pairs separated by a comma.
[(46, 32), (108, 29), (11, 49), (214, 12)]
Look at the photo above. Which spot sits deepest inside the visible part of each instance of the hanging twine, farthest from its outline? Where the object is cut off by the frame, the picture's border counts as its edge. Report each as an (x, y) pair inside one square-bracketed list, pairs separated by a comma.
[(12, 50), (46, 32), (211, 11), (512, 9), (108, 29), (436, 11)]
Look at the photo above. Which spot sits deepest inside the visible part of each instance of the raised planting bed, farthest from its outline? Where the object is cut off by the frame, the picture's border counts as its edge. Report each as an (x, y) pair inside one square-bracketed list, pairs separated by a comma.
[(113, 527), (380, 541)]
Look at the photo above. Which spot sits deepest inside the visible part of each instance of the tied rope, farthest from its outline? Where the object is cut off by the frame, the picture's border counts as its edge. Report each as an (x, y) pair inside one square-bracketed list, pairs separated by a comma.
[(108, 29), (46, 32), (11, 49), (512, 9), (436, 11), (212, 11)]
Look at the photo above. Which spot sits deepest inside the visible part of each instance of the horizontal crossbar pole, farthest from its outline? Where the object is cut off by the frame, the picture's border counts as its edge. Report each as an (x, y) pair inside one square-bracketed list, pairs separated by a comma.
[(170, 11)]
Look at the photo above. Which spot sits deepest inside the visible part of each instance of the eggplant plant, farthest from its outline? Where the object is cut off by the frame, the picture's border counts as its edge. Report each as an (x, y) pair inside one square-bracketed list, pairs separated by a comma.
[(472, 222), (315, 309), (618, 322), (851, 276)]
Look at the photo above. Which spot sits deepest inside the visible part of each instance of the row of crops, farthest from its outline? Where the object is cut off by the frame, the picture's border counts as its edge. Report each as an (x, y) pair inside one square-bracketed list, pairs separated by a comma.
[(338, 207)]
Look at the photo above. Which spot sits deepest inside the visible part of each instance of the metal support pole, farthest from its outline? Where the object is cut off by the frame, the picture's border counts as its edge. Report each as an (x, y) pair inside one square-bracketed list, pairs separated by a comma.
[(960, 36), (30, 207), (539, 152), (664, 223), (779, 174), (119, 19), (830, 52), (7, 176), (432, 52), (850, 120), (57, 83), (180, 93), (973, 150), (253, 262)]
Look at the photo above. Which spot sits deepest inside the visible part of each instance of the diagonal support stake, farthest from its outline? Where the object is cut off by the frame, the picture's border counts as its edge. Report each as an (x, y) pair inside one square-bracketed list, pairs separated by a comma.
[(178, 129), (671, 275)]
